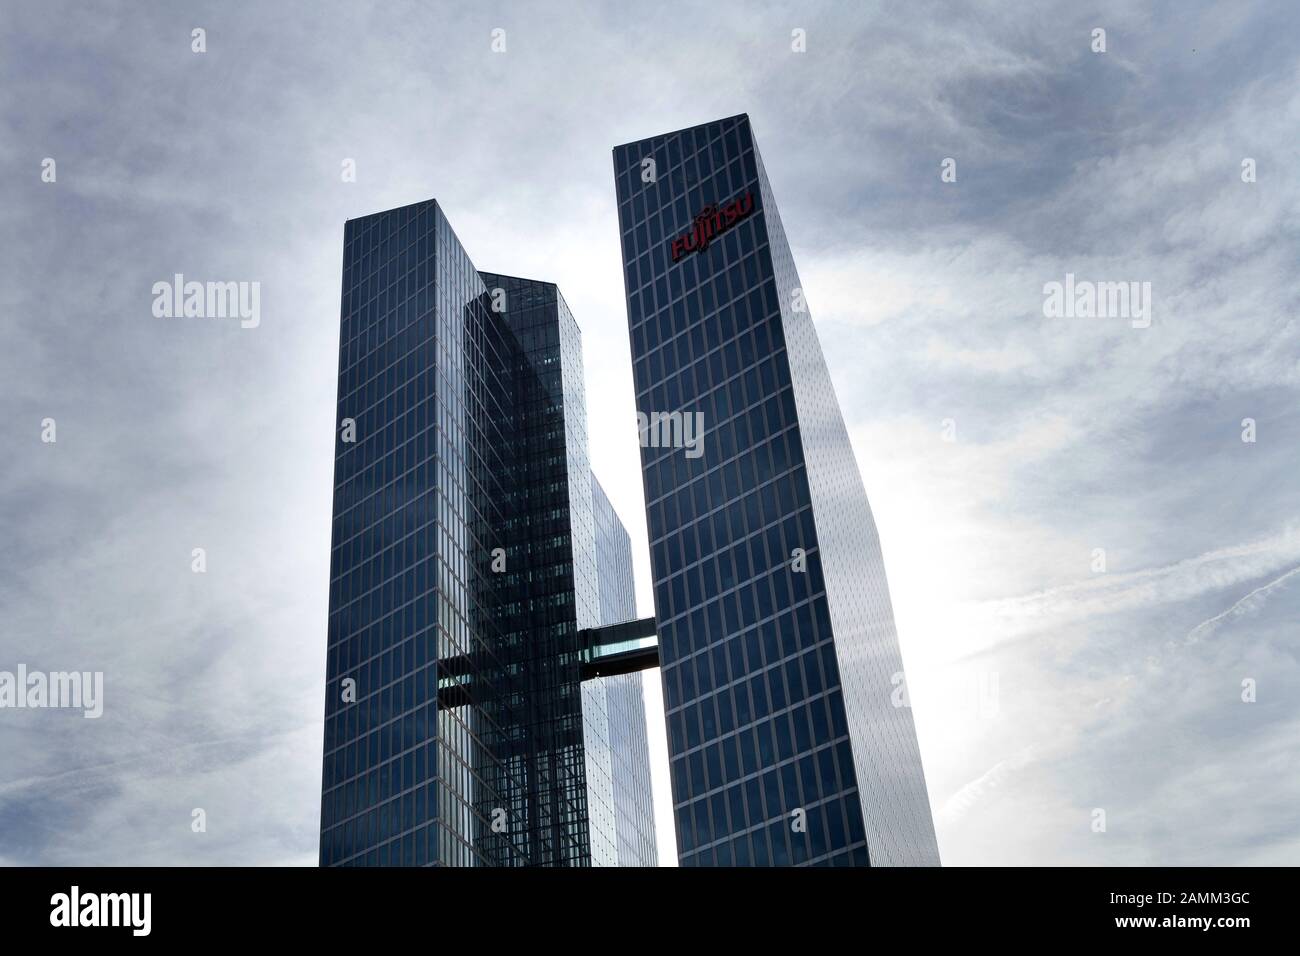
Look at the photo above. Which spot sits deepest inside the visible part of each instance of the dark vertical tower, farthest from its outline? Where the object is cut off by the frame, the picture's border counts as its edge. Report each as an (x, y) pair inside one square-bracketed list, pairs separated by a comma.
[(462, 562), (418, 510), (614, 706), (550, 560), (777, 639)]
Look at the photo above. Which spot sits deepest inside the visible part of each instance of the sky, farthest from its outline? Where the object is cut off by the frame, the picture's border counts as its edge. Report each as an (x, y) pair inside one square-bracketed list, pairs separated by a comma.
[(1094, 575)]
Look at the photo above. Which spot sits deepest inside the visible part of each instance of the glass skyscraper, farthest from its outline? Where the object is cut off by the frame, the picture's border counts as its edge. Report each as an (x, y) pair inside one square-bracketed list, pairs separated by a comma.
[(463, 565), (620, 699), (777, 642)]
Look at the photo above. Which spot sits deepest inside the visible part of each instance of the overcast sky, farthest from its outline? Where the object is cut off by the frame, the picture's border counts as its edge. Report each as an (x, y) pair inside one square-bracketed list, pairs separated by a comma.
[(1044, 689)]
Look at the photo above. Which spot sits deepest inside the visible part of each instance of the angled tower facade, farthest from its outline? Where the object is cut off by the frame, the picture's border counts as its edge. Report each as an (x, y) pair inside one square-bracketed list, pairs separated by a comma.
[(619, 697), (463, 564), (777, 642)]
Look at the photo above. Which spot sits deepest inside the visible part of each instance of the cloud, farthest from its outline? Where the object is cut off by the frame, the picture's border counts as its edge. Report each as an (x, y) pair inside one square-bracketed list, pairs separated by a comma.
[(1071, 434), (1250, 603), (1106, 594)]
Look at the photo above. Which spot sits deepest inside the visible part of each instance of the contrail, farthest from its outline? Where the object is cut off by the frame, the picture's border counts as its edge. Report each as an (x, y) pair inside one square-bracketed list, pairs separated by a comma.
[(1260, 591)]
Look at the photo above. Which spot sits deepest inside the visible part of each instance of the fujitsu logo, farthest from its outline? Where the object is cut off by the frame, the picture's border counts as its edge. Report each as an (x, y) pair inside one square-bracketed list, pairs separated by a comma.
[(711, 222)]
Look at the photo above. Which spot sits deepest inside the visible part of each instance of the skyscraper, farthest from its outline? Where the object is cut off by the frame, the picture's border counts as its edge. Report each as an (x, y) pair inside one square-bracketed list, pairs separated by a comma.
[(463, 564), (776, 635), (626, 740)]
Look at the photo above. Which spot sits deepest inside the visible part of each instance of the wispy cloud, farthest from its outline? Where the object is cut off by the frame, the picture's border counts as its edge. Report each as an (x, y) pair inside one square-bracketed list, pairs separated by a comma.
[(1070, 435), (1105, 594), (1251, 602)]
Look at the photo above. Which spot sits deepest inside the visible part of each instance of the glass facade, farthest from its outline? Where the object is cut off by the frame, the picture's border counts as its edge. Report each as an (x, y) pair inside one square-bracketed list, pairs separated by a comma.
[(617, 704), (614, 560), (550, 576), (418, 504), (463, 563), (777, 641)]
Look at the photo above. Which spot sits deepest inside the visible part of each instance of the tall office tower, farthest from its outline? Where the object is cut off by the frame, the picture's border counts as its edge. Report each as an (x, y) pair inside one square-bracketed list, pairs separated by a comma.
[(777, 643), (614, 560), (419, 467), (549, 539), (620, 699), (462, 562)]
